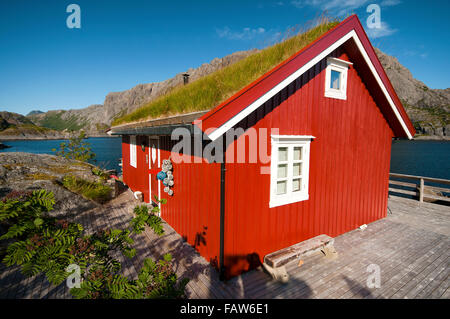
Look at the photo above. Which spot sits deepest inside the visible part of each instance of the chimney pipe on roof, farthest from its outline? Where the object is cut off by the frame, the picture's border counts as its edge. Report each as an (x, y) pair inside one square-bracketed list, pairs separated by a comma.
[(185, 78)]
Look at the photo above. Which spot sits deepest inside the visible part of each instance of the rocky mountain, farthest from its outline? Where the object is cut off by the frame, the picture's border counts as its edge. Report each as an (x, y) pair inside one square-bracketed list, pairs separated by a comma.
[(429, 109), (96, 119)]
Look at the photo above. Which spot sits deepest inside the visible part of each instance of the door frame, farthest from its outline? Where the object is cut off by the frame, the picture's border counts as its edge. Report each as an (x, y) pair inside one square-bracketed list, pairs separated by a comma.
[(153, 138)]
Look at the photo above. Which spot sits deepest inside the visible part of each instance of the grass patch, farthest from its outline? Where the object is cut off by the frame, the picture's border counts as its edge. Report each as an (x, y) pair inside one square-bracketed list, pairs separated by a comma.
[(40, 176), (211, 90), (100, 173), (91, 190), (61, 169)]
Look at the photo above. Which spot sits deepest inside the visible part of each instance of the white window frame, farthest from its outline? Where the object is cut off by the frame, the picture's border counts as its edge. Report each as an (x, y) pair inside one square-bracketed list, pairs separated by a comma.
[(133, 151), (341, 66), (289, 141)]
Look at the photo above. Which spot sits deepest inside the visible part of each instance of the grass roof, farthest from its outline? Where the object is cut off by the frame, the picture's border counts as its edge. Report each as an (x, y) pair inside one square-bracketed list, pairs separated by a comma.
[(211, 90)]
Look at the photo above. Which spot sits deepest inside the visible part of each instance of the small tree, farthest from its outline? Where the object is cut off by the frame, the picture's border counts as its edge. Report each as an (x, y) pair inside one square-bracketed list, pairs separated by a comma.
[(76, 149)]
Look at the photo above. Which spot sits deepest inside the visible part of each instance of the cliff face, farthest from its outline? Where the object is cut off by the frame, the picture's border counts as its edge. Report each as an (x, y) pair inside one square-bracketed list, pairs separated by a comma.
[(428, 109)]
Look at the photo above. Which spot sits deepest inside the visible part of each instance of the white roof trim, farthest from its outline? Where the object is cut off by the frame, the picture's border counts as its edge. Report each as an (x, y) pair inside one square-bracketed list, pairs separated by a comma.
[(269, 94), (292, 137)]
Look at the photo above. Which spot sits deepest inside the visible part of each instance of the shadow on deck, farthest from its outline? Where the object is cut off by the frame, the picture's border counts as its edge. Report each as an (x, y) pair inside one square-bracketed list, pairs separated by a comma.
[(410, 247)]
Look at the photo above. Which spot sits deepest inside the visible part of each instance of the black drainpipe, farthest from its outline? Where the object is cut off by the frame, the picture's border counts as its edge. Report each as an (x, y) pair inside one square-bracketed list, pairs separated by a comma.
[(222, 215)]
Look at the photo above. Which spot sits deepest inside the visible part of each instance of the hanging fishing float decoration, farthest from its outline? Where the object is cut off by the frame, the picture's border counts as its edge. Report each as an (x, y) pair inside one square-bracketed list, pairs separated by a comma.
[(166, 176)]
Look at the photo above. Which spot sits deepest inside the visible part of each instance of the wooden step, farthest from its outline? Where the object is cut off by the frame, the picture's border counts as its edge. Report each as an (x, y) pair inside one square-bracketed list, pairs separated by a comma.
[(283, 256)]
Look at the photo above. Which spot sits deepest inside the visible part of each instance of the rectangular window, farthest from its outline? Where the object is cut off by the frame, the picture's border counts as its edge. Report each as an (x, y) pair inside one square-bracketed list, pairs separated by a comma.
[(336, 78), (133, 161), (289, 169)]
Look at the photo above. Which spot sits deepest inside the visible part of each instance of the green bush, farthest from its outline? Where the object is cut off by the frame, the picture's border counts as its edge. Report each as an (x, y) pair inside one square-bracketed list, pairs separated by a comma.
[(95, 191)]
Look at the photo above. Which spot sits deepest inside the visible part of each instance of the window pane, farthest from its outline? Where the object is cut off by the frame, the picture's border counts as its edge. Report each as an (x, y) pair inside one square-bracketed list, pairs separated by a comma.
[(282, 154), (297, 169), (282, 171), (297, 153), (281, 187), (296, 183), (335, 79)]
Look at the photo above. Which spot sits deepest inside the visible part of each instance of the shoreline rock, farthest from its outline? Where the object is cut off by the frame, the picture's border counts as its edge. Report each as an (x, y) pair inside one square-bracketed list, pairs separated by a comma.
[(28, 172), (3, 146), (431, 138)]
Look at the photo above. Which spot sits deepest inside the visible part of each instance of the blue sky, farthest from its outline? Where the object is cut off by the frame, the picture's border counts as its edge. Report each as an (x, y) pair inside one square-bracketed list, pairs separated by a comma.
[(44, 65)]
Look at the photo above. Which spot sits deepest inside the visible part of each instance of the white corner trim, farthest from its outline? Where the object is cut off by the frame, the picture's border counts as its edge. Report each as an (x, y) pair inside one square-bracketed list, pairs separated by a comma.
[(339, 62), (269, 94)]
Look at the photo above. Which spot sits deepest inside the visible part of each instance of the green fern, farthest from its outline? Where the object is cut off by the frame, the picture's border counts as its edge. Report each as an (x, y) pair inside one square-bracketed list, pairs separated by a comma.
[(45, 245), (145, 218)]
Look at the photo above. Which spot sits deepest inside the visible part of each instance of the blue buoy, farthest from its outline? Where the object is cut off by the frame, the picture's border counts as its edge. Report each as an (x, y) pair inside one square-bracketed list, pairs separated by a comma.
[(161, 175)]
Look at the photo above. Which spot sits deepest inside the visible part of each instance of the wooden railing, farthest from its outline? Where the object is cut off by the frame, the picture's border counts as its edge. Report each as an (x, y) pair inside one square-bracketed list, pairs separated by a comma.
[(418, 189)]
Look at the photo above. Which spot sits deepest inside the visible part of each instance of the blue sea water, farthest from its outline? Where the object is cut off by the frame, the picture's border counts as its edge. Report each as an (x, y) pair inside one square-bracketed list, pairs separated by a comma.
[(424, 158), (421, 158), (107, 149)]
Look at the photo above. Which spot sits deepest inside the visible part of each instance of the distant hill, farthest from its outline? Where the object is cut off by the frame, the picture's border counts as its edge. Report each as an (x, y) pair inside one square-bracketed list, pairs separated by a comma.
[(428, 109), (14, 119), (34, 112), (17, 126)]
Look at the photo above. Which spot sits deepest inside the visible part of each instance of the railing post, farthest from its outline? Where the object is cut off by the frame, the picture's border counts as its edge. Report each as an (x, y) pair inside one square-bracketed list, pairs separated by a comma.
[(422, 187)]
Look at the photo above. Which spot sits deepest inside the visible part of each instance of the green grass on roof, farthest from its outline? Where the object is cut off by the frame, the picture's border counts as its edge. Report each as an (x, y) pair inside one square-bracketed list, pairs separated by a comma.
[(211, 90)]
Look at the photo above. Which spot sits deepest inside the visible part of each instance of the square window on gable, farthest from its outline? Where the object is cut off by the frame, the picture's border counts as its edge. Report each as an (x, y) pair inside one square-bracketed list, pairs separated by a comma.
[(336, 78)]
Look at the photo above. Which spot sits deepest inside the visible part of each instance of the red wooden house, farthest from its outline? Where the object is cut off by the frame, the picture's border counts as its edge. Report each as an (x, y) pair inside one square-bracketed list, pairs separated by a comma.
[(336, 113)]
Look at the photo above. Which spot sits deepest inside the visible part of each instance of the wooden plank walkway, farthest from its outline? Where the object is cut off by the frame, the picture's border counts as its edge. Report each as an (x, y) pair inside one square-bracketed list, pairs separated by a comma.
[(410, 247)]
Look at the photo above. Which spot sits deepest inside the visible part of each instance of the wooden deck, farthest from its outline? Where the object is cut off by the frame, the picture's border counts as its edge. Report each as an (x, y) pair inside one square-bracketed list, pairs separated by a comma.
[(411, 247)]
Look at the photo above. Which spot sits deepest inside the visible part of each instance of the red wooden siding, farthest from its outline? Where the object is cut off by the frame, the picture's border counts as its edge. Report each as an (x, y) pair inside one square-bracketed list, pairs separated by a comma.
[(136, 178), (193, 210), (349, 169)]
